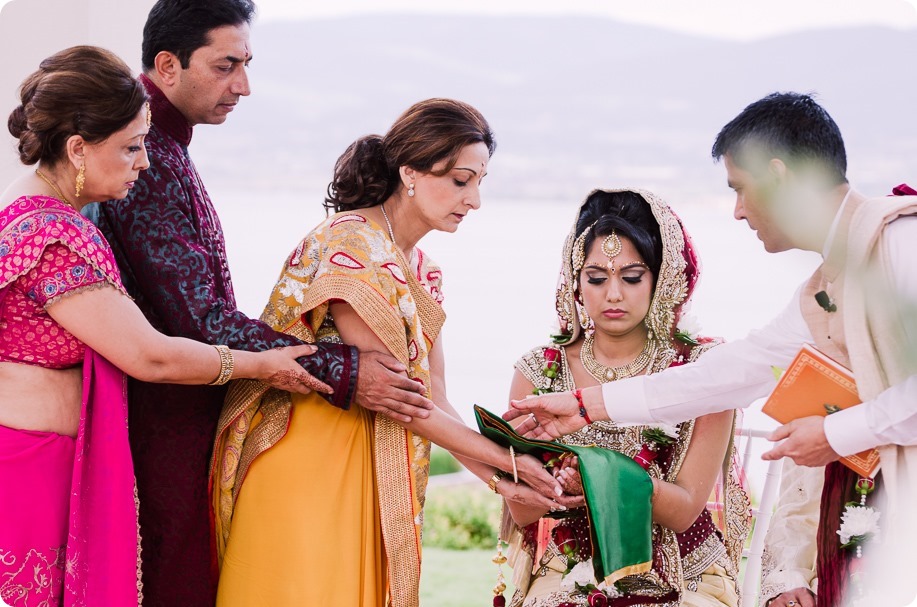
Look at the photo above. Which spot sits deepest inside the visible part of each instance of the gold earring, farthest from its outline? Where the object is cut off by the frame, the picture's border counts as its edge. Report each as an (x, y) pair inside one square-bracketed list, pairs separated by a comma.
[(80, 180), (584, 321)]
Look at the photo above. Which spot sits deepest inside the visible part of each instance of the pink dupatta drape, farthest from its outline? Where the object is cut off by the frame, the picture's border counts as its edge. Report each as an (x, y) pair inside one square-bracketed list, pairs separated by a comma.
[(102, 545)]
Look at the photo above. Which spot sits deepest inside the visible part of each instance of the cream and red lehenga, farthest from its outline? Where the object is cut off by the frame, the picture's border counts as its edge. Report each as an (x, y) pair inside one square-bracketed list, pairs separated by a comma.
[(316, 505), (697, 567)]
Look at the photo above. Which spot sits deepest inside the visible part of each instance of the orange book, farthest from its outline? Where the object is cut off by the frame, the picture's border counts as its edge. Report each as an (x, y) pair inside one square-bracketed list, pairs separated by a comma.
[(815, 384)]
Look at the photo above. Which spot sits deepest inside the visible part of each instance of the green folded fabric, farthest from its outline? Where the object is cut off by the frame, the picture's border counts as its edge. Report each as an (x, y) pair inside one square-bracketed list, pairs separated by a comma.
[(618, 493)]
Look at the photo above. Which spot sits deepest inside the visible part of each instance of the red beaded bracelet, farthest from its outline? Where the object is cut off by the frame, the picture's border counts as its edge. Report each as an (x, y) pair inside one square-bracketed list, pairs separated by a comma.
[(578, 395)]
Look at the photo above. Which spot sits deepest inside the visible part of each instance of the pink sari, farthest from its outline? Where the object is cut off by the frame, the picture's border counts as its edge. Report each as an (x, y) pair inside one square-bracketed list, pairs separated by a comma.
[(68, 512), (68, 517)]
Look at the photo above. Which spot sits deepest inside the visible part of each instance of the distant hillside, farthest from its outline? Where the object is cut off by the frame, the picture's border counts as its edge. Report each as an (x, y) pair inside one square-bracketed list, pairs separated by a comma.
[(576, 102)]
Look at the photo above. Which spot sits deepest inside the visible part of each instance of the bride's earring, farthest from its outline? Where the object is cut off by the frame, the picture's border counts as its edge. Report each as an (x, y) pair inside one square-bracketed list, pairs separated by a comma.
[(411, 190), (584, 321)]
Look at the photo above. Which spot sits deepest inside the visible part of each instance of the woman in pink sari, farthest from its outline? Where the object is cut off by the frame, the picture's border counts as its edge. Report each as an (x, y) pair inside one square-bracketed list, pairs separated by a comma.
[(68, 511)]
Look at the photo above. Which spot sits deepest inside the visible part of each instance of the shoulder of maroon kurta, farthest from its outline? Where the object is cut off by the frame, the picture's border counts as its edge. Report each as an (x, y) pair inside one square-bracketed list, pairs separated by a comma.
[(31, 224), (168, 241)]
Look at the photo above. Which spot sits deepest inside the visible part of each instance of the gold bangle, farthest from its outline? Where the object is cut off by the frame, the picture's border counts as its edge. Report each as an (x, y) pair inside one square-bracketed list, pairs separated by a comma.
[(226, 366), (496, 478), (512, 456)]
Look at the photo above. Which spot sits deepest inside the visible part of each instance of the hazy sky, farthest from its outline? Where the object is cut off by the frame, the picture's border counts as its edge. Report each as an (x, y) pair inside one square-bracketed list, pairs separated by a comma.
[(741, 19), (737, 19)]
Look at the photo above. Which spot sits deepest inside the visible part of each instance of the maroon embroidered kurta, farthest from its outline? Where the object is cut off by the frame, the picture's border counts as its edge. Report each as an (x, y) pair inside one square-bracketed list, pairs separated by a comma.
[(169, 245)]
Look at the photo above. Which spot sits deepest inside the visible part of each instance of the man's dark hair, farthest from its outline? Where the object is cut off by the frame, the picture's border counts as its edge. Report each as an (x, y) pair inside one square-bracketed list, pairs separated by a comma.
[(788, 126), (183, 26)]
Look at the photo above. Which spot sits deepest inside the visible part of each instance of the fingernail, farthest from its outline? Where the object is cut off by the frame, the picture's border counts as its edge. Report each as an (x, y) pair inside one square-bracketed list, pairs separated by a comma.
[(558, 491)]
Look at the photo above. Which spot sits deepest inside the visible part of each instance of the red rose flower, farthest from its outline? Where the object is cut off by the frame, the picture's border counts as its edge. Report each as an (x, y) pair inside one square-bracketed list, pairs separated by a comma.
[(597, 598), (565, 538), (551, 355)]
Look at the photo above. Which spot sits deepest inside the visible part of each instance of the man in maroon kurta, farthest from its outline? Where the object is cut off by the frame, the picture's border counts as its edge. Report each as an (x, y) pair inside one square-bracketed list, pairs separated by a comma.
[(169, 245)]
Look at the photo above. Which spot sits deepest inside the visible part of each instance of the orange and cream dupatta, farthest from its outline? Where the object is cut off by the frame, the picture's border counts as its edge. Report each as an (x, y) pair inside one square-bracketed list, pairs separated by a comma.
[(347, 258)]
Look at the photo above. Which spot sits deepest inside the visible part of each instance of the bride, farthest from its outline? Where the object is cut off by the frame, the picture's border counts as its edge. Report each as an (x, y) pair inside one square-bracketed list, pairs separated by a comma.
[(628, 269)]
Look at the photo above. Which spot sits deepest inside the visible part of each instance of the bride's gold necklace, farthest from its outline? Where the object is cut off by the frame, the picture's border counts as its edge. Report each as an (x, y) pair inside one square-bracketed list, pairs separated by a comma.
[(602, 374), (55, 188)]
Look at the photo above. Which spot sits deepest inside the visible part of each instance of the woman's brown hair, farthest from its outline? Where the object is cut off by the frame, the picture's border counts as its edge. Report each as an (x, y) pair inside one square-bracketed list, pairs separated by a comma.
[(429, 132), (82, 90)]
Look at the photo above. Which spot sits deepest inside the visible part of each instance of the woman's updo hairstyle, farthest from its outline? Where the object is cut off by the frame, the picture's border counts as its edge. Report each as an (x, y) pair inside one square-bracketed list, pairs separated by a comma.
[(429, 132), (627, 214), (83, 90)]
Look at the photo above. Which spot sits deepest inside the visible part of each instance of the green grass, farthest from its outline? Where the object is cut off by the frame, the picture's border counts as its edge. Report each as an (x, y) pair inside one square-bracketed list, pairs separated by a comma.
[(460, 578), (442, 462), (463, 517), (460, 537)]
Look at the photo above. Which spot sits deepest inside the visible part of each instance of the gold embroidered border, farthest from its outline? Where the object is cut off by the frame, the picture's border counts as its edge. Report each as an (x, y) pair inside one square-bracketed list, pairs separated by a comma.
[(698, 560), (396, 509), (637, 569), (530, 365), (102, 284), (374, 308)]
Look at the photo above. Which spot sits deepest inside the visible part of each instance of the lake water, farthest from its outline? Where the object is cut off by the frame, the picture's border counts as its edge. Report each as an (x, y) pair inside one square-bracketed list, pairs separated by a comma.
[(500, 271)]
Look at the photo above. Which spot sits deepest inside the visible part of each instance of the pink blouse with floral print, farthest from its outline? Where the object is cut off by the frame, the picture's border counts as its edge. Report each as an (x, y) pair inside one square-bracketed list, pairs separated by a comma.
[(47, 251)]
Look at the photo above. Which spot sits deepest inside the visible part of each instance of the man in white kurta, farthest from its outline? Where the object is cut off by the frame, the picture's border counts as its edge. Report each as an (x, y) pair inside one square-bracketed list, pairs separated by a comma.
[(791, 189)]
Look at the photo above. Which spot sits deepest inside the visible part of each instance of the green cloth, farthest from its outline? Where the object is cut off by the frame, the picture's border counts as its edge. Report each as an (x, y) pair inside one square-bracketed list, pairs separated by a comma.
[(618, 498)]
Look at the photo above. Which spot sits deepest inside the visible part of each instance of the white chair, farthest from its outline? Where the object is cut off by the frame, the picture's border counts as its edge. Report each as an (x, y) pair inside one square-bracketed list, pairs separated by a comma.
[(751, 580)]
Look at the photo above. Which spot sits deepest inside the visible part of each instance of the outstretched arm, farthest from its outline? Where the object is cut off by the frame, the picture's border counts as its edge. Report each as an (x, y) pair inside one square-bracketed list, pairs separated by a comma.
[(111, 324), (527, 512), (444, 426), (733, 374)]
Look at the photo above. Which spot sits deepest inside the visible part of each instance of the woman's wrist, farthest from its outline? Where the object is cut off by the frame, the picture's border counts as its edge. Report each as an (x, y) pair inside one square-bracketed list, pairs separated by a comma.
[(227, 366)]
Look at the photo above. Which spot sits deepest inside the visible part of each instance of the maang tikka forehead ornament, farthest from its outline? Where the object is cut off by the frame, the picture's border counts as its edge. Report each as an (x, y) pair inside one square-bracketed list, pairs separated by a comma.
[(611, 247)]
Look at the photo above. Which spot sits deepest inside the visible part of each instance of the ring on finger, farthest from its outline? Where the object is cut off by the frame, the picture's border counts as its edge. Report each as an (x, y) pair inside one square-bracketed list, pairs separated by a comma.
[(791, 603)]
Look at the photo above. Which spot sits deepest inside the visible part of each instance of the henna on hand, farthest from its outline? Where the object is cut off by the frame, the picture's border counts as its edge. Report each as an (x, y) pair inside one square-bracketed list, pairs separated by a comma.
[(293, 381)]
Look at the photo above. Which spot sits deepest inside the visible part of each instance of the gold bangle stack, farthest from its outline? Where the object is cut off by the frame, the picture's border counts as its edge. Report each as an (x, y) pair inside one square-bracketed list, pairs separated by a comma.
[(226, 366), (496, 478)]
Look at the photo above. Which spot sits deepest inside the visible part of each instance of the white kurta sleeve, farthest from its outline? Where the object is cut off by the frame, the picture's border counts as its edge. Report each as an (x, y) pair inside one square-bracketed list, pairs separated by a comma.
[(728, 376)]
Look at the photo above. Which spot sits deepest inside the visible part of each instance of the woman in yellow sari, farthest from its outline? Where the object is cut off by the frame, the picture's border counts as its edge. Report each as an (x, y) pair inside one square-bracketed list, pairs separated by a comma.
[(322, 506)]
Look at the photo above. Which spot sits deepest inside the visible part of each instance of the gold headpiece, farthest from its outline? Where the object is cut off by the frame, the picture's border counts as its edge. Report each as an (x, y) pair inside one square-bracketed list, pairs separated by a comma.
[(579, 249), (611, 246), (149, 115)]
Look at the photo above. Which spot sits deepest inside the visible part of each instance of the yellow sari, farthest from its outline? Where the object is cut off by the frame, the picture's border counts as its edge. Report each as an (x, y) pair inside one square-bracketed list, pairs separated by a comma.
[(315, 505)]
